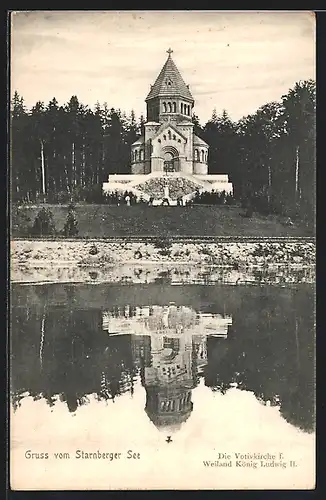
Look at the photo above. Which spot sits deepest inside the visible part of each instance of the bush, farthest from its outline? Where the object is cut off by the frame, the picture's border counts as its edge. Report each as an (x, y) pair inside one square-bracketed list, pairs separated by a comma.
[(248, 212), (93, 194), (71, 225), (72, 205), (63, 197), (166, 252), (44, 223), (93, 250), (162, 243), (21, 223)]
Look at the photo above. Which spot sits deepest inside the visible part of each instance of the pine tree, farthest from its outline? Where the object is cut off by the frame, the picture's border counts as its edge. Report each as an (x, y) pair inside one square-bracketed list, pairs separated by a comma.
[(198, 130), (19, 159), (214, 116), (68, 151), (71, 224), (142, 125)]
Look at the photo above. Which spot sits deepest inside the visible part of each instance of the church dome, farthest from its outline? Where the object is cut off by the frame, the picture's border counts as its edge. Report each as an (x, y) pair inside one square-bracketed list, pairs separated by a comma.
[(169, 82), (169, 423), (168, 419)]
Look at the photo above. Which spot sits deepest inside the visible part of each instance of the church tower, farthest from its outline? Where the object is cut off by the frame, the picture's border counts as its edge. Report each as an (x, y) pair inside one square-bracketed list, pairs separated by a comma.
[(169, 161), (169, 98), (169, 144)]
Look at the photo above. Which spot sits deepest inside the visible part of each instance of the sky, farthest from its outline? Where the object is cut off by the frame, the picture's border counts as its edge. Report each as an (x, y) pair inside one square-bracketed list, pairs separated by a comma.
[(237, 61), (216, 424)]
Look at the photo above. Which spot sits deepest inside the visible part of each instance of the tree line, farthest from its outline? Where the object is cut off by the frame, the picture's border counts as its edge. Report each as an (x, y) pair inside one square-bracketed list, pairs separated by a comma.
[(269, 155), (59, 153)]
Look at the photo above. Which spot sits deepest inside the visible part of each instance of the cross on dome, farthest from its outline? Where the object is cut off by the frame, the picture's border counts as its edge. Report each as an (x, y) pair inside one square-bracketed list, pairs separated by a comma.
[(169, 51)]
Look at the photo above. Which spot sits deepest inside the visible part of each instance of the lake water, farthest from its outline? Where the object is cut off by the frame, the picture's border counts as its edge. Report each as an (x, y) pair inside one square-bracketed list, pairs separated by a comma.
[(187, 371)]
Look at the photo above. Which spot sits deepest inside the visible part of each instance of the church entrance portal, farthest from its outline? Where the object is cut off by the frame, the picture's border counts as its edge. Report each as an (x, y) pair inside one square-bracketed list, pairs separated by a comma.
[(171, 162)]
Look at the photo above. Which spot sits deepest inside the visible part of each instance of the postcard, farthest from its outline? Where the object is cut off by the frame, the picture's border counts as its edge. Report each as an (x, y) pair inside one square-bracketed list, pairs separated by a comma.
[(162, 262)]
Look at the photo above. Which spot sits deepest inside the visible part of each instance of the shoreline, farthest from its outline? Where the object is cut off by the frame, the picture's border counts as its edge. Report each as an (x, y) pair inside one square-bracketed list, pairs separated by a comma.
[(36, 261)]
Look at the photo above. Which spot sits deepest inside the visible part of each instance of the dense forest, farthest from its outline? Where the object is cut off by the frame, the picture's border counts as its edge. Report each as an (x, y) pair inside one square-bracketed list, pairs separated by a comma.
[(65, 152)]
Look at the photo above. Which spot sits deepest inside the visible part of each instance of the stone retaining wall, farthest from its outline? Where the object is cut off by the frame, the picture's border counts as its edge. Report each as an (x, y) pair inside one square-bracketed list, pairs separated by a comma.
[(103, 254)]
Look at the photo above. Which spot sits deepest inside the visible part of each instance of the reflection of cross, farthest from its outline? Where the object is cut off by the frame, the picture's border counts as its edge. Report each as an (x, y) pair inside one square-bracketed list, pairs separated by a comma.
[(169, 52), (169, 440)]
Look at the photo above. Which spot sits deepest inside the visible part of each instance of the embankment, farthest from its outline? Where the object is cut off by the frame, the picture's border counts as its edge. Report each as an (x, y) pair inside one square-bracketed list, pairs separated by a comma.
[(106, 221), (39, 260)]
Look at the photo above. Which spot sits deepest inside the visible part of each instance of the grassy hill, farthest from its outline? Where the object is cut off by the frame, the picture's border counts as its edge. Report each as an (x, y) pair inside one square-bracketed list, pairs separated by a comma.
[(100, 221)]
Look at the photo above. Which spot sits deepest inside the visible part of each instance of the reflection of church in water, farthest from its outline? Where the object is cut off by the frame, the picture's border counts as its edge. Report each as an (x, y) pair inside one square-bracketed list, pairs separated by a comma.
[(169, 347)]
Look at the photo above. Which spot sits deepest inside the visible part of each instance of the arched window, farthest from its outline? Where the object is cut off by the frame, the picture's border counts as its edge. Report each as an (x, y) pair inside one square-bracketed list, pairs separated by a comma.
[(136, 154), (181, 106), (202, 155), (196, 155), (169, 134), (164, 137), (141, 154), (174, 107), (174, 137), (164, 107), (169, 107)]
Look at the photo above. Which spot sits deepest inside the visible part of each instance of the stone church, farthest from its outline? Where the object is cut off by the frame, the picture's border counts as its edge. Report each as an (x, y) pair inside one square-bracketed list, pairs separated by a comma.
[(169, 160), (171, 358)]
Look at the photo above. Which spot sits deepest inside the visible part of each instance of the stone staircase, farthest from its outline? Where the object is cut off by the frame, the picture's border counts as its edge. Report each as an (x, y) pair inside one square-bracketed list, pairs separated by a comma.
[(158, 186)]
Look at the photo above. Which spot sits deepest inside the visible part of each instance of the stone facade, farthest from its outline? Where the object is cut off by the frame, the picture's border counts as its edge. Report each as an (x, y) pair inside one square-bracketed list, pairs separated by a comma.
[(169, 145), (173, 355)]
